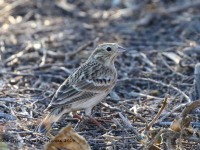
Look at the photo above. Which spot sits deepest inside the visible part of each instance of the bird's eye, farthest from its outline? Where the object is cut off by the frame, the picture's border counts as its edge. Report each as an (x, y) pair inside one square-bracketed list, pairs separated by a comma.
[(108, 49)]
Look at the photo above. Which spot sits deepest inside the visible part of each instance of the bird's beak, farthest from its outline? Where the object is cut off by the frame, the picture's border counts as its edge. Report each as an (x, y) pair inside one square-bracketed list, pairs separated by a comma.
[(121, 49)]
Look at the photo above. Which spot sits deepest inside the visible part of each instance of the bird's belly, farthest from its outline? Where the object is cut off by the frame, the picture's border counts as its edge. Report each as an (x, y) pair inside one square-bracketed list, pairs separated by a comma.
[(89, 103)]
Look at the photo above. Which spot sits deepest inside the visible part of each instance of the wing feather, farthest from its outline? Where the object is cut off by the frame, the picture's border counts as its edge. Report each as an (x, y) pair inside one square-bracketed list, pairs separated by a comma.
[(90, 83)]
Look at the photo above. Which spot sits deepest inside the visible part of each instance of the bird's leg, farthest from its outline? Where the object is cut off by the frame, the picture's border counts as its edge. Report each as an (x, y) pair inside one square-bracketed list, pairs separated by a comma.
[(93, 120), (88, 111), (75, 115)]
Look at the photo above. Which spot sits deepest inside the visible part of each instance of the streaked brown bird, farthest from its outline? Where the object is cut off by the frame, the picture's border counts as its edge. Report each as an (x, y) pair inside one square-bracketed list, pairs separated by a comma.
[(86, 86)]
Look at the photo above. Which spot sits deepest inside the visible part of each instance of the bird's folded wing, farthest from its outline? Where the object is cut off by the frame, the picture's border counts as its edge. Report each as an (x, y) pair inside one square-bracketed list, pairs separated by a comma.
[(80, 91)]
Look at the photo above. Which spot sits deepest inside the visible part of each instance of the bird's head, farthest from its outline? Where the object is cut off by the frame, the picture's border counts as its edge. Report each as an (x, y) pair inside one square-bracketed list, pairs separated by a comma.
[(106, 53)]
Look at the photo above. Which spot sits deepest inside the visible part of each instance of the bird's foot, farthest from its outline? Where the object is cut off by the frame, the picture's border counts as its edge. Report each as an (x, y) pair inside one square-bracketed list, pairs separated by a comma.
[(78, 117), (96, 122)]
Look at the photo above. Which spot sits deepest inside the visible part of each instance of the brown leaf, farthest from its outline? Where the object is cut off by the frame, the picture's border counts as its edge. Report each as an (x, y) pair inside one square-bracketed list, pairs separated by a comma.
[(68, 139)]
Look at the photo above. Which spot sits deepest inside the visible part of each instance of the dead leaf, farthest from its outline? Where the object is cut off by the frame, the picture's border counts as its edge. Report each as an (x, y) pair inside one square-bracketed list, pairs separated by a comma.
[(68, 139)]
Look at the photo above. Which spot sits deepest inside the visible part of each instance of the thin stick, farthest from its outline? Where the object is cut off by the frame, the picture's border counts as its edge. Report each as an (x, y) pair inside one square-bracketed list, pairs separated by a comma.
[(175, 109), (164, 104), (155, 138), (127, 123), (12, 6), (132, 113), (80, 48), (161, 83), (189, 107)]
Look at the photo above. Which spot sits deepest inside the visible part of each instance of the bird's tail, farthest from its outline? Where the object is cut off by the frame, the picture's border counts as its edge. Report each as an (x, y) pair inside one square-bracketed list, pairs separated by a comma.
[(48, 121)]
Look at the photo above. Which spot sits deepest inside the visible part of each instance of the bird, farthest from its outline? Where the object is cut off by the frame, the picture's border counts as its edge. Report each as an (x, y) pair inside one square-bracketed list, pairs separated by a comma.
[(86, 86)]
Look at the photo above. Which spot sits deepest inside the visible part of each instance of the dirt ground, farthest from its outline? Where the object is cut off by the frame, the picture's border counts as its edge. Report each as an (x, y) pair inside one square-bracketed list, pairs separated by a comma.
[(42, 42)]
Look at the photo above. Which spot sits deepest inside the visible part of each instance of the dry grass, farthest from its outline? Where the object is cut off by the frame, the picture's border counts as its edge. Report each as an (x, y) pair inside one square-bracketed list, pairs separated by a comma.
[(42, 42)]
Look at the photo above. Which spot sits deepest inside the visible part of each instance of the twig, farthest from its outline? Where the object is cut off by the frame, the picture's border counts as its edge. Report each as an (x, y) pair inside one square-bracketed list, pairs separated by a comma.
[(162, 12), (110, 107), (33, 75), (132, 113), (125, 120), (146, 60), (191, 50), (164, 104), (2, 50), (149, 144), (190, 107), (136, 94), (128, 124), (167, 138), (19, 54), (193, 139), (183, 120), (117, 122), (179, 144), (181, 8), (169, 86), (56, 65), (7, 116), (175, 109), (158, 82), (196, 82), (12, 6), (44, 51), (8, 99), (196, 124), (62, 56), (80, 48), (170, 68)]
